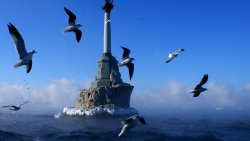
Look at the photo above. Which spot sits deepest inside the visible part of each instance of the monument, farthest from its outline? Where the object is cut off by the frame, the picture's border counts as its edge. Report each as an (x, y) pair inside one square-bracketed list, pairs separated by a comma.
[(108, 89)]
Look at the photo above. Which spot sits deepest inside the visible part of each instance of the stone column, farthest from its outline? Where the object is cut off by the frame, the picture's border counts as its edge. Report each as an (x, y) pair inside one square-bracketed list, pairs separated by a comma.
[(107, 33), (107, 64), (107, 7)]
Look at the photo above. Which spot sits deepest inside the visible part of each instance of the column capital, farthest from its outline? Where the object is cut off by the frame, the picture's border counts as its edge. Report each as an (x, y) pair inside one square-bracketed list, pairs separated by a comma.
[(108, 6)]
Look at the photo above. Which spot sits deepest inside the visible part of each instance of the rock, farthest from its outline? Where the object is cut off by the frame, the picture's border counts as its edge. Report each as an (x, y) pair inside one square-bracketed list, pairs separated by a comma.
[(118, 95)]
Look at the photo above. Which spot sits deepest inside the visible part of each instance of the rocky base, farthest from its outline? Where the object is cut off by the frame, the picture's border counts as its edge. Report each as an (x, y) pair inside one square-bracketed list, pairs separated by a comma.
[(116, 95)]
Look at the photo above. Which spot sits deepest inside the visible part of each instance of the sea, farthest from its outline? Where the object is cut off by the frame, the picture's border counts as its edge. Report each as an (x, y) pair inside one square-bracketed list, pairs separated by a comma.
[(170, 127)]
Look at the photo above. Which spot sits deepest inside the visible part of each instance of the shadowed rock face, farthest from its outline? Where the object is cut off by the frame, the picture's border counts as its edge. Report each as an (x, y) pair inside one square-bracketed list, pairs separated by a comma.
[(117, 95)]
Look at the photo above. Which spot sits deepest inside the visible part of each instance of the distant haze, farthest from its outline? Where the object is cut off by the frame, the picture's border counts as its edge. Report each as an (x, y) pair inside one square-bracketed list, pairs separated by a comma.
[(169, 97)]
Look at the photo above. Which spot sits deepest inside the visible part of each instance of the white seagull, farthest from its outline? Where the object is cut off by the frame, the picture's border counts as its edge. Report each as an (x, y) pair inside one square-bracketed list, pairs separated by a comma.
[(15, 108), (131, 122), (174, 54), (72, 26), (126, 61), (24, 56), (198, 88)]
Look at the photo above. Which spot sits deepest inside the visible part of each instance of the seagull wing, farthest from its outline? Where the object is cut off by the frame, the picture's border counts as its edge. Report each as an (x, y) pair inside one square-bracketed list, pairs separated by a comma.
[(23, 103), (141, 119), (109, 1), (29, 66), (124, 128), (130, 69), (16, 36), (7, 106), (170, 57), (78, 35), (180, 50), (125, 54), (203, 81), (176, 53), (196, 94), (130, 119), (72, 17)]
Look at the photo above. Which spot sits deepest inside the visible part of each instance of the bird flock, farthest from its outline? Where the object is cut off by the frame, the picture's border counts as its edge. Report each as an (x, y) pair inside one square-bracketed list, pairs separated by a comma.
[(132, 121), (26, 60), (26, 57)]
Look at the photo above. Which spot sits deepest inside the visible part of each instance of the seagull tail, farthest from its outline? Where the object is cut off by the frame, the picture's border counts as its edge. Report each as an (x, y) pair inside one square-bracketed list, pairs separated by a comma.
[(18, 65)]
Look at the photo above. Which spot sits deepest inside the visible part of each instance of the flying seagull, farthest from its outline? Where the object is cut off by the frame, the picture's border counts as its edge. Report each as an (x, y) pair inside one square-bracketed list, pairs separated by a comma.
[(174, 54), (131, 122), (72, 26), (126, 61), (24, 56), (15, 108), (198, 88)]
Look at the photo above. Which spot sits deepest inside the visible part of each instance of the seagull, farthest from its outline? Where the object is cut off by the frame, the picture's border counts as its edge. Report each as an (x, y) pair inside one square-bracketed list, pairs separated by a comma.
[(24, 56), (72, 26), (174, 54), (131, 122), (15, 108), (198, 88), (126, 61)]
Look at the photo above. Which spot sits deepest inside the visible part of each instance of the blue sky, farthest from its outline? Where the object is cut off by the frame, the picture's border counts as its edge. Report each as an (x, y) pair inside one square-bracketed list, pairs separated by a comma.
[(214, 34)]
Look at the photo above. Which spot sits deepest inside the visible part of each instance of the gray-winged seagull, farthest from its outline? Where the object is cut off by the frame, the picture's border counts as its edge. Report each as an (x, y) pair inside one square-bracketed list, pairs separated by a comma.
[(72, 26), (15, 108), (131, 122), (174, 54), (24, 56), (126, 61), (198, 88)]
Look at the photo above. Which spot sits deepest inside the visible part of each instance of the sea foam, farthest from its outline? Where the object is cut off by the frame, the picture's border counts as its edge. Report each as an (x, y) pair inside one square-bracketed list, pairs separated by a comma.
[(99, 111)]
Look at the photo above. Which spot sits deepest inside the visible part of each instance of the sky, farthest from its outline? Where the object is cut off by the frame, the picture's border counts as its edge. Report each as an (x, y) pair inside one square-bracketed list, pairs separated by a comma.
[(214, 34)]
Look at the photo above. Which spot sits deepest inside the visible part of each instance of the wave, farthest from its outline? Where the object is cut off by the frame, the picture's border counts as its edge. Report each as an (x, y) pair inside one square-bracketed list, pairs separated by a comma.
[(4, 136), (239, 126), (48, 128)]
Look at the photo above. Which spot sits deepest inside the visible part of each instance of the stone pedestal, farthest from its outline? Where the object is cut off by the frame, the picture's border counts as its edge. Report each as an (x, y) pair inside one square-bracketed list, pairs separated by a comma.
[(108, 72), (116, 95)]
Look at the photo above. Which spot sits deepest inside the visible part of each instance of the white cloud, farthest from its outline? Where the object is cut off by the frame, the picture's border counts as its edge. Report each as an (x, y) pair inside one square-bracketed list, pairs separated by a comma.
[(174, 95), (53, 96)]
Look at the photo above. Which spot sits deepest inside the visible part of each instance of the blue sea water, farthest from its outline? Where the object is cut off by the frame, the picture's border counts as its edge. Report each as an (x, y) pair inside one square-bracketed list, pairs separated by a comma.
[(23, 127)]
